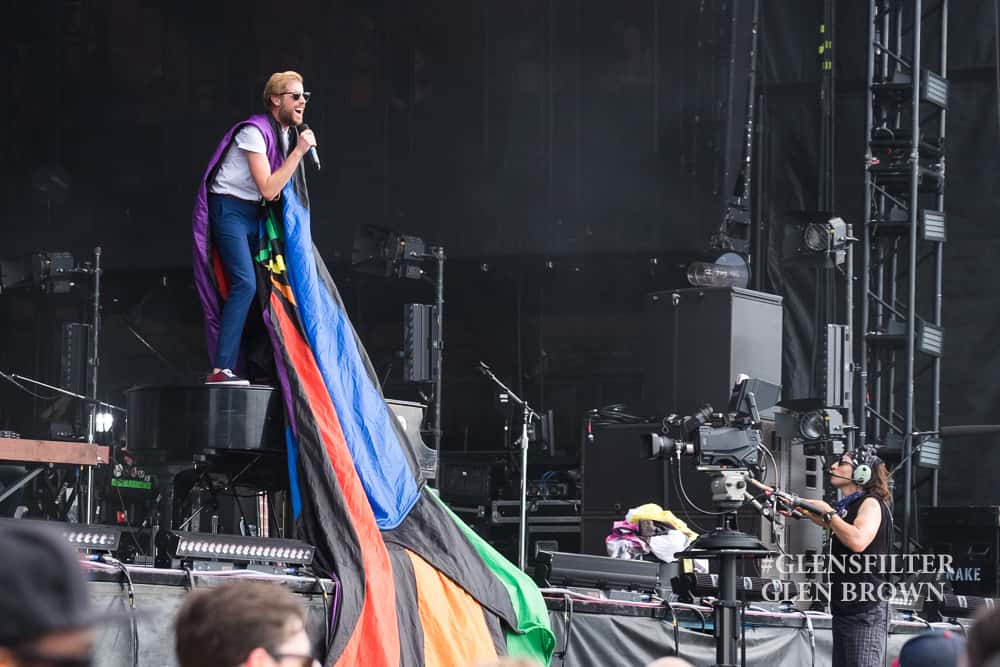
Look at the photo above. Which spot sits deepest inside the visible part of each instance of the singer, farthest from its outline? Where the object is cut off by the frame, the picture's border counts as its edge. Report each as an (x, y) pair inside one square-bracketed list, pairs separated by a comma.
[(859, 523), (250, 167)]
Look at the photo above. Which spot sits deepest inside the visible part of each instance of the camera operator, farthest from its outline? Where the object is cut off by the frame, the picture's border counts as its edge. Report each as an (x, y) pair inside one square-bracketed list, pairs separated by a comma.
[(860, 524)]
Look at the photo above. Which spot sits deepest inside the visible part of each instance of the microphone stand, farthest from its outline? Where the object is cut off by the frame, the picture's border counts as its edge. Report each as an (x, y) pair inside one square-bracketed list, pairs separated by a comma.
[(528, 413)]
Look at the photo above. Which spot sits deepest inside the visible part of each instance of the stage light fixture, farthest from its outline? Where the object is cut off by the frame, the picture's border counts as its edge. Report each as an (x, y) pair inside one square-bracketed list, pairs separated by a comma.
[(930, 338), (730, 269), (804, 422), (384, 252), (237, 548), (929, 454), (825, 237), (932, 227), (934, 89), (556, 568), (90, 537), (103, 422)]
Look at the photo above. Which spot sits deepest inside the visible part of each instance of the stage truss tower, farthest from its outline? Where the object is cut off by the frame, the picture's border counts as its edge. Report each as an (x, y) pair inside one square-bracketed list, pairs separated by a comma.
[(904, 234)]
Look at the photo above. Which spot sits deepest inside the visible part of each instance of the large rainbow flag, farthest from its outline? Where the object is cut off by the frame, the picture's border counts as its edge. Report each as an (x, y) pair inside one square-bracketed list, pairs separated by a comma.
[(419, 587)]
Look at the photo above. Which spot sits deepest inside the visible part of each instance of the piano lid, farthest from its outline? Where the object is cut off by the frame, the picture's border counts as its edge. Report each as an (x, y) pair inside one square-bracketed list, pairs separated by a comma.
[(179, 421)]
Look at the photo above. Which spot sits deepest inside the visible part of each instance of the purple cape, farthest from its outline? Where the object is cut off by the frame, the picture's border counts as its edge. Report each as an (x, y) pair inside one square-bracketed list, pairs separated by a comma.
[(204, 275)]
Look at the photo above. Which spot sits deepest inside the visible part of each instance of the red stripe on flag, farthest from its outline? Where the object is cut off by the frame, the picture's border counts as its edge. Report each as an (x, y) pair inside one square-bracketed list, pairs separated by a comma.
[(375, 639)]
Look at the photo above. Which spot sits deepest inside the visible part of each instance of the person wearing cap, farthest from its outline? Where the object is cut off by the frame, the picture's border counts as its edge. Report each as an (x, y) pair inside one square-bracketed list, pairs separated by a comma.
[(243, 624), (45, 613), (936, 648)]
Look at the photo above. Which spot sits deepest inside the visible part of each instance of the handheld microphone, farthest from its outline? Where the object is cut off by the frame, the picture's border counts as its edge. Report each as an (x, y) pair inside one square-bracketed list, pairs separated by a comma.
[(313, 153)]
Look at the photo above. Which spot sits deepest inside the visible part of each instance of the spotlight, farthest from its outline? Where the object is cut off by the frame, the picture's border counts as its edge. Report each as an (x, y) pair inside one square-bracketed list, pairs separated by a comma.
[(730, 269), (805, 422), (821, 424), (825, 237), (103, 421), (815, 237)]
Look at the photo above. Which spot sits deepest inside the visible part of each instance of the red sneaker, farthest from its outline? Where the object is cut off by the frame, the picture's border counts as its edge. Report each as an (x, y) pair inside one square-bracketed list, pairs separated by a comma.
[(226, 376)]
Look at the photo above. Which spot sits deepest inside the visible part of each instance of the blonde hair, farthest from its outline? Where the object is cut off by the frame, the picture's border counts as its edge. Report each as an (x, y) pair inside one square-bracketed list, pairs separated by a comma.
[(277, 83)]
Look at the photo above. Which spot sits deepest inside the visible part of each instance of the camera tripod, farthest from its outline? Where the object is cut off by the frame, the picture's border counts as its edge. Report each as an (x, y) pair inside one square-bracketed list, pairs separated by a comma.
[(727, 545)]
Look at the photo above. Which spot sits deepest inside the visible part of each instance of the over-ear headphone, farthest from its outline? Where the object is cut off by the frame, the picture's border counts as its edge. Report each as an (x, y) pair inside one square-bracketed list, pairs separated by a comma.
[(864, 463)]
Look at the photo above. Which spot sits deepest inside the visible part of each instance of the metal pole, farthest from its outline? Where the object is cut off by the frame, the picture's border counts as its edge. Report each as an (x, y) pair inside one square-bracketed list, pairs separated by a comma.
[(528, 414), (438, 344), (95, 364), (861, 388), (522, 538), (849, 343), (757, 250), (911, 315), (939, 261), (725, 612)]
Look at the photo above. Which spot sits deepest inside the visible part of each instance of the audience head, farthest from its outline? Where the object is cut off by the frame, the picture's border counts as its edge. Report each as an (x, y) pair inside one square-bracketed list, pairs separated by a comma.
[(983, 644), (936, 648), (243, 624), (45, 612), (670, 662)]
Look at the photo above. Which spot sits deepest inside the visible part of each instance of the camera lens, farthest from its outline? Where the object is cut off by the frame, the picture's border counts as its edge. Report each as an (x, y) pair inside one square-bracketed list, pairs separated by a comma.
[(812, 425)]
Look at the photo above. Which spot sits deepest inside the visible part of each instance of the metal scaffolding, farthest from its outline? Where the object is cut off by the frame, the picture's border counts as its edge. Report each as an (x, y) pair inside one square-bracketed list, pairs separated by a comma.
[(900, 369)]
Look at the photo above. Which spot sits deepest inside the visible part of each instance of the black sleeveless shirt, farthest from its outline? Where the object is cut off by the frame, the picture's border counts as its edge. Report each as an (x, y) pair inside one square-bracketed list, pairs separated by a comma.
[(866, 582)]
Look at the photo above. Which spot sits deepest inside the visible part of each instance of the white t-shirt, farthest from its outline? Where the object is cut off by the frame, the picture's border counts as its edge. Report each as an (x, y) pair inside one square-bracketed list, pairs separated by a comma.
[(233, 176)]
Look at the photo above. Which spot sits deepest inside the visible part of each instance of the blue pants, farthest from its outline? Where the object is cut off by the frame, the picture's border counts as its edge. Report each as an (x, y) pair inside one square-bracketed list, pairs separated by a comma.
[(234, 232)]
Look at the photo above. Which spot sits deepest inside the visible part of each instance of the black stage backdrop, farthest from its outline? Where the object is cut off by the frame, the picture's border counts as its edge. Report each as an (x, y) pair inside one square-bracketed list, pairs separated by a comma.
[(555, 148)]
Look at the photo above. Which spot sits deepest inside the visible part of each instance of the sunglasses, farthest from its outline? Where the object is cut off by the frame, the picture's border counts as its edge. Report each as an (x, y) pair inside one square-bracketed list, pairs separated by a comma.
[(298, 96)]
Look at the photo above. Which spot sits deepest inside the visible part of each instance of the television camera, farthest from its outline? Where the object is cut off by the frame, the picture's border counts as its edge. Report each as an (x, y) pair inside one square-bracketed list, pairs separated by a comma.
[(721, 441), (728, 448)]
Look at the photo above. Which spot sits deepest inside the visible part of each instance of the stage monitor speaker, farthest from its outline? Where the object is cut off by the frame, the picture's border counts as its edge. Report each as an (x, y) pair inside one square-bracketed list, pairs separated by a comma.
[(971, 536), (410, 416), (700, 340)]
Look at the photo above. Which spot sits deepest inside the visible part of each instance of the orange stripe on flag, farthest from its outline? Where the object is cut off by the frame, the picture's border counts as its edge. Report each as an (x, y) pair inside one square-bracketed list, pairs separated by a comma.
[(455, 630), (375, 639)]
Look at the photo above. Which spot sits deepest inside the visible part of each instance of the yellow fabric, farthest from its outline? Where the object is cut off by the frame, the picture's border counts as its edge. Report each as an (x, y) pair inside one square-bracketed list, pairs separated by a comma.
[(653, 512)]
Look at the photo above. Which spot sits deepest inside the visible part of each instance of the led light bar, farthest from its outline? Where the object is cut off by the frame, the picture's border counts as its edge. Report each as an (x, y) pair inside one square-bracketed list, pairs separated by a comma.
[(237, 548), (92, 537)]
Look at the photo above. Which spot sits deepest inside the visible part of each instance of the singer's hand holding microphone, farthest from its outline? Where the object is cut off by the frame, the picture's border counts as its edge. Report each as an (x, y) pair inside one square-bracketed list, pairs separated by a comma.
[(307, 144)]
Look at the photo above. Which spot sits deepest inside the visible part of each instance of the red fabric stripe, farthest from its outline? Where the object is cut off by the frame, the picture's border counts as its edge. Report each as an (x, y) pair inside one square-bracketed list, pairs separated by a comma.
[(375, 639), (221, 277)]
